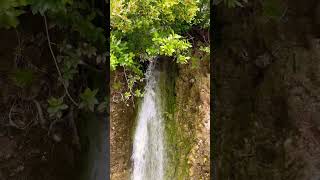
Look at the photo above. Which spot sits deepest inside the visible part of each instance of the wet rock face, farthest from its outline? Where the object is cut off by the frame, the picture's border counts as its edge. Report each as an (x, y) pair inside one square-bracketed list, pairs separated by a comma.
[(267, 111)]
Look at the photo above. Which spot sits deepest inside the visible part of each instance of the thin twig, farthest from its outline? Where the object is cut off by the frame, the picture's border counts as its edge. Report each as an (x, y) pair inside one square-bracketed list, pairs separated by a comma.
[(55, 61)]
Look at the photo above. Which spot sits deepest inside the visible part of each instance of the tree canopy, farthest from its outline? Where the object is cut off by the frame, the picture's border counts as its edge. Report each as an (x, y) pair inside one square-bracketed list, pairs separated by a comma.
[(144, 29)]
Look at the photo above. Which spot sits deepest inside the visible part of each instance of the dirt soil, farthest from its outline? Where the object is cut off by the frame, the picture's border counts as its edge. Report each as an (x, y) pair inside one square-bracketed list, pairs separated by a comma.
[(121, 130)]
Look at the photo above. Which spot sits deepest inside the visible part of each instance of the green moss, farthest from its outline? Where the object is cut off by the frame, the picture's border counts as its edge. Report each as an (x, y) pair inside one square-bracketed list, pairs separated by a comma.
[(178, 143), (167, 84)]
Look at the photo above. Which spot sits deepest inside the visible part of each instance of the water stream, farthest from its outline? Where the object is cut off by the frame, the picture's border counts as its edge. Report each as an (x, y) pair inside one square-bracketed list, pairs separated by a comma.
[(148, 155)]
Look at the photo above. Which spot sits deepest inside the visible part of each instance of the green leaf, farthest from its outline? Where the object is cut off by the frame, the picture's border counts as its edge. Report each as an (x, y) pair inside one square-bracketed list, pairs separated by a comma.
[(88, 99), (116, 85), (205, 49), (41, 6), (138, 93), (183, 59), (127, 95), (9, 18), (56, 106)]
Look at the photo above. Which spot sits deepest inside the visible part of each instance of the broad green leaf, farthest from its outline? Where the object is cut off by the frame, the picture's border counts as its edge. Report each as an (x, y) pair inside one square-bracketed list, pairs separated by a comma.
[(88, 99)]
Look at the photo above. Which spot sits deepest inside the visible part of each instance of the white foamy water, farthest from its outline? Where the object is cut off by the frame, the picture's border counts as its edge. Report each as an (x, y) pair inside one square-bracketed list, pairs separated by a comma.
[(148, 144)]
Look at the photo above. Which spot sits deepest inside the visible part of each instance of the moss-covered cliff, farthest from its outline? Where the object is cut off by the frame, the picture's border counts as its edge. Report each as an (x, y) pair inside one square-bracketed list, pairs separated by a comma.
[(185, 96)]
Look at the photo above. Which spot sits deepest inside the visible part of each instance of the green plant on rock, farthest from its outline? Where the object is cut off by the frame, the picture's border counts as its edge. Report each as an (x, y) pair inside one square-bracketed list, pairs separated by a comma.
[(88, 99), (55, 108), (205, 49)]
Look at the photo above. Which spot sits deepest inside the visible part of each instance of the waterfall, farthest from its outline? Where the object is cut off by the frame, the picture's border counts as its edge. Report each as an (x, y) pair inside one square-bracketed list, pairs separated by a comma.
[(148, 145)]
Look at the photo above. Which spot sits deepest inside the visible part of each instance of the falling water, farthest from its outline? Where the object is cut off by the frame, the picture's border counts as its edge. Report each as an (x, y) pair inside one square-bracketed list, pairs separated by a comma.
[(148, 144)]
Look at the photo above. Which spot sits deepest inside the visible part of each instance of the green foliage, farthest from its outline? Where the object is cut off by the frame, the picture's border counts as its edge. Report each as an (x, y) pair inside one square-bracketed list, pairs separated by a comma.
[(152, 24), (202, 19), (83, 44), (138, 93), (127, 95), (202, 53), (170, 46), (144, 29), (116, 85), (9, 12), (56, 106), (23, 77), (71, 56), (66, 13), (205, 49), (88, 99), (41, 6), (119, 54)]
